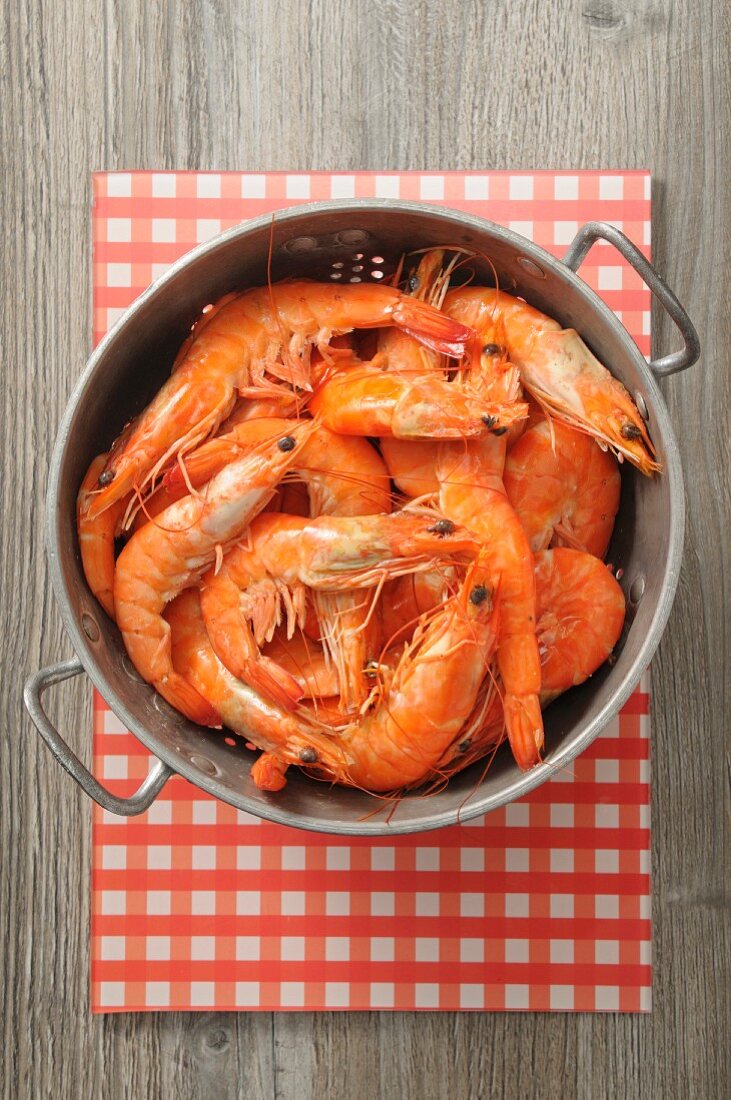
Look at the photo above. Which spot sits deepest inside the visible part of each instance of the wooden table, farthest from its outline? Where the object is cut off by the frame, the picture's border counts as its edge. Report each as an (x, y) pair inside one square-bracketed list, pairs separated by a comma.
[(355, 85)]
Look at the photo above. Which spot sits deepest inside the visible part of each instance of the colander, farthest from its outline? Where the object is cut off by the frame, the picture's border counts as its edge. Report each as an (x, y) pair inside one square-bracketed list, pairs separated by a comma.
[(346, 242)]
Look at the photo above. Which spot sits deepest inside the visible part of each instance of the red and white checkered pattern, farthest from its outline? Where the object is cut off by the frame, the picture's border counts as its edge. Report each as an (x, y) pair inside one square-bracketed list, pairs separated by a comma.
[(542, 905)]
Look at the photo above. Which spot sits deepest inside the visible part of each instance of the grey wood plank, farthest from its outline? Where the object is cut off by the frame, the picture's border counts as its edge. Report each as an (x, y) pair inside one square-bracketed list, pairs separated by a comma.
[(344, 84)]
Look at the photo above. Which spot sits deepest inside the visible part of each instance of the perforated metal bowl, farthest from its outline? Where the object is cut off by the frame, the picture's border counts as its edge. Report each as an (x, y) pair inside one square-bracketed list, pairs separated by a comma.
[(346, 241)]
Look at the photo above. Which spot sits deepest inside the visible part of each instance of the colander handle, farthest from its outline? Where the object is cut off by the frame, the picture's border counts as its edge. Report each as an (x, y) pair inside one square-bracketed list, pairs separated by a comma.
[(141, 800), (592, 232)]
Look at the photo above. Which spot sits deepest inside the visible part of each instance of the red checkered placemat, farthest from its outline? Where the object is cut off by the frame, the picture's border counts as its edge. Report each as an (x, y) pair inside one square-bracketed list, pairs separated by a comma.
[(544, 904)]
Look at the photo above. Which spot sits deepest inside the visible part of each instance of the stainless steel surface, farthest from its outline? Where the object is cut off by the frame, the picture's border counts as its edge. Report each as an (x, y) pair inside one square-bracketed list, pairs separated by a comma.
[(149, 789), (592, 232), (318, 240)]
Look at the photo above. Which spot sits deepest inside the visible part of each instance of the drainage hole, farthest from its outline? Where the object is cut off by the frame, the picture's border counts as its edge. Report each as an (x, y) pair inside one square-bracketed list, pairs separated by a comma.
[(637, 589), (90, 628), (204, 764)]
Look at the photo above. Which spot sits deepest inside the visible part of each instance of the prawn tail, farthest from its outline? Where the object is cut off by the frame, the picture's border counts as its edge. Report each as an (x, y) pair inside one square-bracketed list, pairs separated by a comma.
[(524, 725), (269, 773), (271, 681), (184, 697), (431, 327)]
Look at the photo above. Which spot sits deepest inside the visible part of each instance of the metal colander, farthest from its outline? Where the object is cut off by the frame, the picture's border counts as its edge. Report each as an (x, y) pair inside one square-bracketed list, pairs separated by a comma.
[(345, 242)]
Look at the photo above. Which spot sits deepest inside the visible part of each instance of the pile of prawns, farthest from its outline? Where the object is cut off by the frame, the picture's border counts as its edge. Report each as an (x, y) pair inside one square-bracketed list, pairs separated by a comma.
[(364, 525)]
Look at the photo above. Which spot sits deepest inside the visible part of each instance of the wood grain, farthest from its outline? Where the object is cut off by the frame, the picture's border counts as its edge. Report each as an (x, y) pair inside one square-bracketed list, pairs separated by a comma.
[(425, 84)]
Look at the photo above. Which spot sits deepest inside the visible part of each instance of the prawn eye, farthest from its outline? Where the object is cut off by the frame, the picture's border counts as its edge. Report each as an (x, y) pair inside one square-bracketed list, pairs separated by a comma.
[(414, 283), (464, 745), (370, 669), (308, 755), (287, 443), (499, 431), (106, 477), (491, 349), (630, 431), (442, 527), (478, 594)]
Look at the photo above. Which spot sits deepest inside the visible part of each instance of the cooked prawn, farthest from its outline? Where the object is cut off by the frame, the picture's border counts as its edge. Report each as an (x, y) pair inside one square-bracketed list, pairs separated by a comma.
[(344, 476), (472, 493), (292, 738), (580, 611), (563, 487), (485, 370), (263, 334), (432, 690), (430, 694), (366, 400), (173, 552), (96, 539), (284, 555), (558, 370)]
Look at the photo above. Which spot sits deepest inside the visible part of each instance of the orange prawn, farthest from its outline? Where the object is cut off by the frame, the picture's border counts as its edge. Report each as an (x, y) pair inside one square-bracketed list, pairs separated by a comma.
[(428, 696), (431, 693), (257, 343), (580, 611), (172, 553), (472, 493), (558, 370), (284, 555), (563, 488), (344, 477), (367, 400), (290, 737), (96, 538)]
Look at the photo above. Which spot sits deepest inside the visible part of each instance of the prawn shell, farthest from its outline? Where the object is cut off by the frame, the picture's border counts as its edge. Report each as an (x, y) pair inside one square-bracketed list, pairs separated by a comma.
[(580, 612), (563, 487)]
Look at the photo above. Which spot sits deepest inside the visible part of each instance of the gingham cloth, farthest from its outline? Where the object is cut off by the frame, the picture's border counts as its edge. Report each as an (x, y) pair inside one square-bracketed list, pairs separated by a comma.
[(542, 905)]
